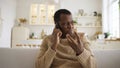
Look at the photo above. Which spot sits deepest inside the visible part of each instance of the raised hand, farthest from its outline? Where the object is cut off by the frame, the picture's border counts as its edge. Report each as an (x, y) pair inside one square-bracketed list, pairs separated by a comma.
[(56, 38), (76, 44)]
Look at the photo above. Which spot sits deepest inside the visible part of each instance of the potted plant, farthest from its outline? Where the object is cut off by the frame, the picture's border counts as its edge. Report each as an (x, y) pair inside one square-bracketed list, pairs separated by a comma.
[(106, 34), (74, 21), (22, 21)]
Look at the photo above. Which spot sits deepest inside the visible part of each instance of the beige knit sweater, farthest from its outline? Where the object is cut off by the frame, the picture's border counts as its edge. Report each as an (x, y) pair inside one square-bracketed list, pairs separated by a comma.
[(64, 56)]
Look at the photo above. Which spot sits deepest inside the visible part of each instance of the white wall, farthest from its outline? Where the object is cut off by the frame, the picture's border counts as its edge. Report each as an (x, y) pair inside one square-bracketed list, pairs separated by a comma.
[(13, 9), (8, 14), (23, 10), (23, 7), (89, 6)]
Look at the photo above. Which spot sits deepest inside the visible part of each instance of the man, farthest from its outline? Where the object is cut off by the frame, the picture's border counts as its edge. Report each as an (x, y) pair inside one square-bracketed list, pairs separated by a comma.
[(65, 48)]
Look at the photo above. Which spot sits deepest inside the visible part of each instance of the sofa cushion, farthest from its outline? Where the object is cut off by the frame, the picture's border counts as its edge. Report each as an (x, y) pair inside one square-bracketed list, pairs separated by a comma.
[(25, 58)]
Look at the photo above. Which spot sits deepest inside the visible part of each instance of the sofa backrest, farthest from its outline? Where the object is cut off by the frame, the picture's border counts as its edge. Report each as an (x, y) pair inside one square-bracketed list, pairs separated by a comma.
[(25, 58)]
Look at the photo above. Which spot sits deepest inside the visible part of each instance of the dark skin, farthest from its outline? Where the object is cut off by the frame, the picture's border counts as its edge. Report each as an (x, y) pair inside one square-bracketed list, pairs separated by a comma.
[(67, 31)]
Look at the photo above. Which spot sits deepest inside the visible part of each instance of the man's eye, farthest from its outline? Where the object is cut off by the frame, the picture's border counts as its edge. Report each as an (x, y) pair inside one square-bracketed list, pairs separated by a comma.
[(64, 24), (67, 23)]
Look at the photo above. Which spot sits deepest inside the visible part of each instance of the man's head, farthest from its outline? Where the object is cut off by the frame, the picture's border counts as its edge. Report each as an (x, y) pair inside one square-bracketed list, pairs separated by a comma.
[(63, 21)]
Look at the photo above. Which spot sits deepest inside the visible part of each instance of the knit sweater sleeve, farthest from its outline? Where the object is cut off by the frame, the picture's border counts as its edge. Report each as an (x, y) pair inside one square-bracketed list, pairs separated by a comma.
[(86, 58), (46, 55)]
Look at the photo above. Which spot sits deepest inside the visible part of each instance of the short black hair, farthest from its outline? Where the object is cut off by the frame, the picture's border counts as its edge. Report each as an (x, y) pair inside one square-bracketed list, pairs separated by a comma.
[(58, 13)]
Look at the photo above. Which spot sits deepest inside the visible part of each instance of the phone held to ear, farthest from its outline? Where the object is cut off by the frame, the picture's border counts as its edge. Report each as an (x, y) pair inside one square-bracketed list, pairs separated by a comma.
[(57, 26)]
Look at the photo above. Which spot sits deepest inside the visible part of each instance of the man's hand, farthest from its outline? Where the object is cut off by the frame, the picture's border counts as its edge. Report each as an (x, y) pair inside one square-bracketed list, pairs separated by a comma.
[(56, 38), (77, 45)]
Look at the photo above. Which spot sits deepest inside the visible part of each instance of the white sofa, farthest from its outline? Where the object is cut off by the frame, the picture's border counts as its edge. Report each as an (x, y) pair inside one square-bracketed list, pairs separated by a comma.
[(25, 58)]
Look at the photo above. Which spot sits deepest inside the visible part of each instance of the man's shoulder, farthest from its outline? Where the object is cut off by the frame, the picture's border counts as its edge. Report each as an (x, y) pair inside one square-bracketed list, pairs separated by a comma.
[(47, 37)]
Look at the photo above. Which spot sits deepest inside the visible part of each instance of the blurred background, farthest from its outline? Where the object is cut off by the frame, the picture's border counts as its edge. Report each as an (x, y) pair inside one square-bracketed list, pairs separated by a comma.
[(24, 23)]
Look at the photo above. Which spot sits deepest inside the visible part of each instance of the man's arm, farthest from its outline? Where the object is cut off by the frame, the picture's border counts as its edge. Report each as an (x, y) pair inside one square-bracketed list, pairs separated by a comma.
[(45, 57), (86, 58), (48, 52)]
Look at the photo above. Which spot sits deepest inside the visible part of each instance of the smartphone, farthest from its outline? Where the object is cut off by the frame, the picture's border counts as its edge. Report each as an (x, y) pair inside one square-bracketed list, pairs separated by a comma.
[(57, 26)]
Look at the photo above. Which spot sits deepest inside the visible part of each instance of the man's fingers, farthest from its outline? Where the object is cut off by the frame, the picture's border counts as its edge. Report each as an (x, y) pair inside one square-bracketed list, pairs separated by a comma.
[(78, 38), (77, 35), (71, 39), (57, 32), (60, 34), (70, 42)]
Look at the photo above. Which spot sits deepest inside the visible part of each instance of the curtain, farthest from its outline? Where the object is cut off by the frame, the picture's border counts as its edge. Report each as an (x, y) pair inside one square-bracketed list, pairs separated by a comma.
[(111, 22)]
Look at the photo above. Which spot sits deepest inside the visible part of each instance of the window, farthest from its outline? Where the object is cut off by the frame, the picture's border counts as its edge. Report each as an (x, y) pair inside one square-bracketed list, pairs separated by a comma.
[(111, 22), (41, 14)]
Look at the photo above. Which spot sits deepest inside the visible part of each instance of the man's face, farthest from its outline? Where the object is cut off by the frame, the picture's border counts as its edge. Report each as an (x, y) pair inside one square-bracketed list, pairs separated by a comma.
[(66, 24)]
